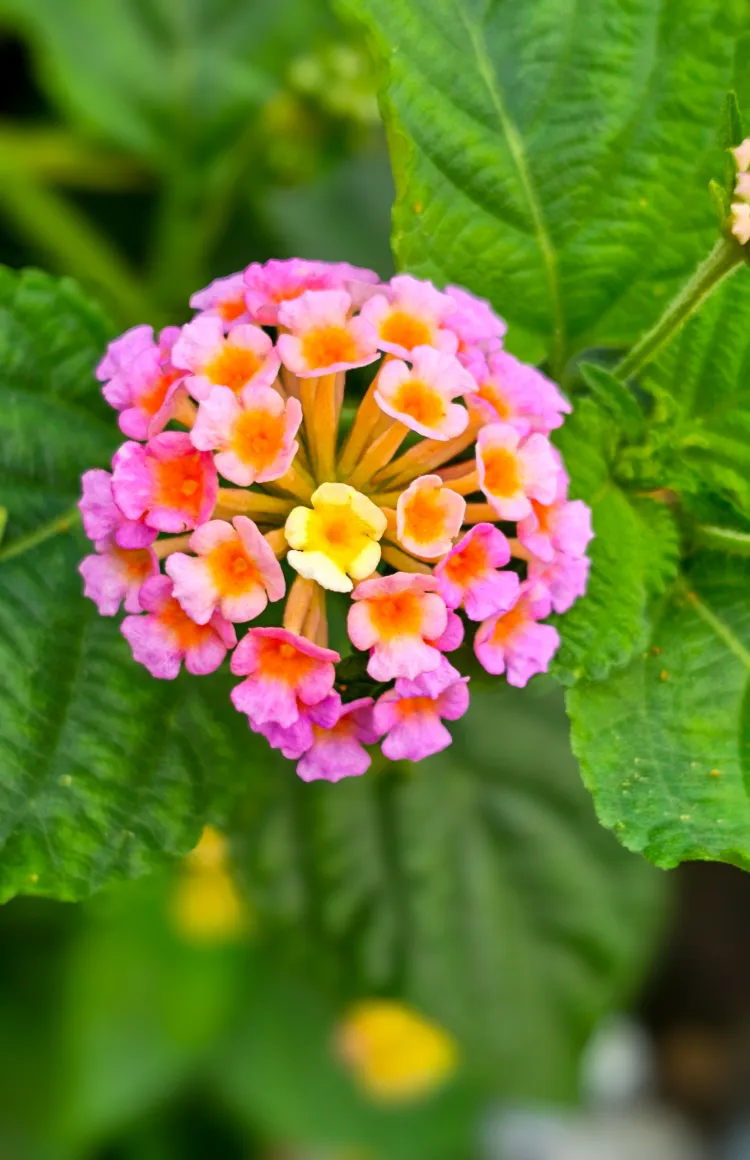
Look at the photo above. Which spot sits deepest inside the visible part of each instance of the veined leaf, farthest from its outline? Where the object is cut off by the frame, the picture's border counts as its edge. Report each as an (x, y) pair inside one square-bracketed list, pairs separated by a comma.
[(633, 555), (664, 745), (554, 156), (616, 398), (104, 771), (698, 439)]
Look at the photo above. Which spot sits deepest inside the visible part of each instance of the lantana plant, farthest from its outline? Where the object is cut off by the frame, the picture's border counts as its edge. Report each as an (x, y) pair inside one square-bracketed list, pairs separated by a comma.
[(442, 510)]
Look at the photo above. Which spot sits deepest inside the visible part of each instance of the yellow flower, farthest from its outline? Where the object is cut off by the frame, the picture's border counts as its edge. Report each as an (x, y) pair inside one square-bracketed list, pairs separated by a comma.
[(394, 1053), (206, 907), (336, 541)]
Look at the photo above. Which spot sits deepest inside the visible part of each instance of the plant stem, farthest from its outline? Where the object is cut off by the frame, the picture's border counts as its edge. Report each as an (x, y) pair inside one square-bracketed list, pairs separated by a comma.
[(55, 226), (725, 257), (62, 523), (725, 539)]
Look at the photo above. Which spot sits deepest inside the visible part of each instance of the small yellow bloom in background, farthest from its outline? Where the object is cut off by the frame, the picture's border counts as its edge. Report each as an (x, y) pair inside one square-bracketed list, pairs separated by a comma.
[(393, 1052), (206, 907), (336, 540)]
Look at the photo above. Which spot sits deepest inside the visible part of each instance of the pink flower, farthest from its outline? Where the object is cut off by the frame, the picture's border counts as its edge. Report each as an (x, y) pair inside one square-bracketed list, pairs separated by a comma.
[(166, 636), (396, 616), (513, 471), (337, 750), (323, 338), (429, 517), (244, 357), (123, 350), (514, 643), (167, 482), (224, 298), (474, 322), (453, 636), (280, 667), (115, 574), (294, 740), (562, 526), (740, 218), (564, 578), (436, 682), (410, 314), (742, 155), (253, 433), (469, 574), (513, 392), (234, 571), (268, 286), (421, 396), (144, 393), (411, 718), (102, 517)]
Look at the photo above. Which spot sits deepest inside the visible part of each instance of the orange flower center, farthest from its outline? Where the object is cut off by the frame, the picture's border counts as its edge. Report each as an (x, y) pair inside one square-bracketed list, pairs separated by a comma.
[(233, 368), (405, 330), (258, 437), (491, 394), (542, 512), (179, 484), (398, 615), (232, 570), (188, 634), (281, 661), (411, 705), (151, 401), (501, 472), (420, 402), (507, 624), (136, 561), (329, 345), (424, 517), (344, 728), (232, 309), (338, 532), (468, 564)]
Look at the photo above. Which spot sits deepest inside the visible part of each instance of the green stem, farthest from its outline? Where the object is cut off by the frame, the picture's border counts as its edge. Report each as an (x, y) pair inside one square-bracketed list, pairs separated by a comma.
[(725, 539), (725, 257), (54, 225), (61, 523)]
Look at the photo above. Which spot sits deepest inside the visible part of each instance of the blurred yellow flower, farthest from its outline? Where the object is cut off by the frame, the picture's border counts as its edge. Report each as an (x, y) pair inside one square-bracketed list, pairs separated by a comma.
[(205, 906), (394, 1053)]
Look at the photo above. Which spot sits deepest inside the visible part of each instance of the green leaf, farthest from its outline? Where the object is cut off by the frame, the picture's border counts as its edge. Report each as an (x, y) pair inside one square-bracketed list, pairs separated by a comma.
[(476, 884), (53, 421), (633, 555), (664, 745), (163, 80), (698, 439), (615, 397), (731, 132), (104, 771), (528, 143)]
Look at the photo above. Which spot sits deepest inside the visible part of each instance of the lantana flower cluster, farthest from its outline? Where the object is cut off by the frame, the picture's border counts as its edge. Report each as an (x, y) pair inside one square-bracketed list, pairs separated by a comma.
[(250, 476)]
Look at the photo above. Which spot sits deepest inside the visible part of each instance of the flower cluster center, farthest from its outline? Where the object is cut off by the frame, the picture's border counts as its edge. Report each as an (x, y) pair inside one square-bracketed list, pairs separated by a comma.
[(250, 476)]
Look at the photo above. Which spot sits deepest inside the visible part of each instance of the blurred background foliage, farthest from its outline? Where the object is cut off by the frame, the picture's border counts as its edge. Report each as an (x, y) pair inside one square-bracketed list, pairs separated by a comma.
[(147, 146)]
